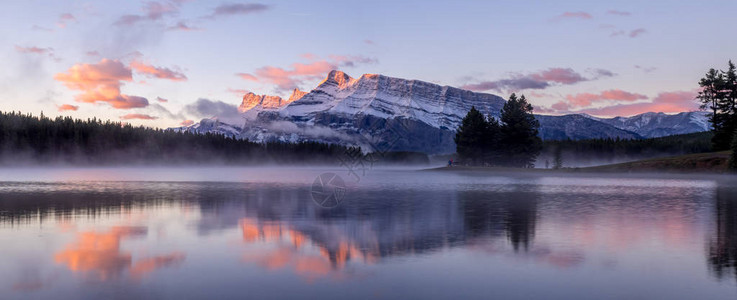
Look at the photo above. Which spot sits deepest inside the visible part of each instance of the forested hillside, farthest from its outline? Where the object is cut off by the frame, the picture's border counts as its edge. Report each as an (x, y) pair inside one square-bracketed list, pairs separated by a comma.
[(26, 139)]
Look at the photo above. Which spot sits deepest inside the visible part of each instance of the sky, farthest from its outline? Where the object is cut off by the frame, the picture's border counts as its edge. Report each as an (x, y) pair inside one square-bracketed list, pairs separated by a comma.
[(170, 62)]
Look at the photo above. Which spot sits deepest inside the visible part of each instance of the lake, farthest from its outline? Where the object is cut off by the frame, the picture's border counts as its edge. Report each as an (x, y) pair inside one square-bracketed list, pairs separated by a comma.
[(269, 233)]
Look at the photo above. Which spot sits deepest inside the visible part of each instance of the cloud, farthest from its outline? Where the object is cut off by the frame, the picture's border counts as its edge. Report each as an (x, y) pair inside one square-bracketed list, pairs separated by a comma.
[(601, 73), (575, 15), (66, 107), (238, 91), (101, 82), (64, 19), (162, 100), (516, 84), (157, 72), (586, 99), (186, 123), (637, 32), (150, 264), (92, 53), (289, 79), (618, 12), (309, 56), (559, 75), (205, 108), (231, 9), (632, 33), (369, 42), (182, 26), (666, 102), (246, 76), (138, 116), (646, 69), (539, 80), (152, 11), (33, 50)]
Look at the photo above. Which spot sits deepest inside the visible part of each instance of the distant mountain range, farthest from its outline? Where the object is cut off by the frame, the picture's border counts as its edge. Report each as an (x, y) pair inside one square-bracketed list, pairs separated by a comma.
[(381, 113)]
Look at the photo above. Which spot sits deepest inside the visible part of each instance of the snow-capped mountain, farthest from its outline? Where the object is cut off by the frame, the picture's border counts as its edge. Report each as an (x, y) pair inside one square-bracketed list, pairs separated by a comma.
[(212, 126), (381, 113), (653, 124)]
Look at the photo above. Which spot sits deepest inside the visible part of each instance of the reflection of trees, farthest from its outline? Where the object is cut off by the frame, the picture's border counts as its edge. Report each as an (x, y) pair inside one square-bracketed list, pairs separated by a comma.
[(723, 246), (512, 213)]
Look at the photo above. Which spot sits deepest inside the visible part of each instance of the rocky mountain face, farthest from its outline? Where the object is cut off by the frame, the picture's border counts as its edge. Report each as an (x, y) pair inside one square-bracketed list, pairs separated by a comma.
[(579, 127), (381, 113), (213, 126), (653, 124)]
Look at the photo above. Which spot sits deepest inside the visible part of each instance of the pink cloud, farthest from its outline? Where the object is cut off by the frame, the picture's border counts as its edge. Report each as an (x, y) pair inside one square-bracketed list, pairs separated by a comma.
[(64, 19), (182, 26), (157, 72), (238, 91), (162, 100), (288, 79), (637, 32), (666, 102), (586, 99), (101, 82), (536, 81), (138, 117), (246, 76), (33, 50), (186, 123), (575, 15), (559, 75), (66, 107), (309, 56)]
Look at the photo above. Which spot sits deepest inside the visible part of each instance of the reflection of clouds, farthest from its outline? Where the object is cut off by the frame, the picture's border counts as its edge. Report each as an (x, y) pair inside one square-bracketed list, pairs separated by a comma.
[(150, 264), (292, 251), (99, 254)]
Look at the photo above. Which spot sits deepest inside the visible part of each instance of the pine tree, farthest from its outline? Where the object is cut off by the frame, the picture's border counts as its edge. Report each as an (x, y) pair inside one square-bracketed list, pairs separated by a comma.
[(492, 141), (519, 133), (471, 137), (558, 158), (712, 98)]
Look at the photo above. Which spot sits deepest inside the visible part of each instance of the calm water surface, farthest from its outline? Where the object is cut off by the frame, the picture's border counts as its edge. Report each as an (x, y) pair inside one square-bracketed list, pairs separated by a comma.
[(219, 233)]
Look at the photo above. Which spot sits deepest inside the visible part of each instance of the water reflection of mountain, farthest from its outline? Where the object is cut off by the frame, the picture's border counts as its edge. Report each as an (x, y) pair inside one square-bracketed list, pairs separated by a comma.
[(387, 223), (722, 254), (377, 222)]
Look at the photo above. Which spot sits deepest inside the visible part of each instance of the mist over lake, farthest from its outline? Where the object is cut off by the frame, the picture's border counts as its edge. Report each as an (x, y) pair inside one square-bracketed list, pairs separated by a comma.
[(72, 233)]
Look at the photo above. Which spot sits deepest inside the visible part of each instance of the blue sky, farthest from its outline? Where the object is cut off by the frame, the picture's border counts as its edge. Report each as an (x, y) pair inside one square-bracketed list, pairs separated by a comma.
[(101, 58)]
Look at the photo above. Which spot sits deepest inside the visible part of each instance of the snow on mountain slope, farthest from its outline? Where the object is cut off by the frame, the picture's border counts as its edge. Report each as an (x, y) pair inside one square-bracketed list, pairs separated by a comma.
[(381, 113), (652, 124), (388, 97), (211, 126)]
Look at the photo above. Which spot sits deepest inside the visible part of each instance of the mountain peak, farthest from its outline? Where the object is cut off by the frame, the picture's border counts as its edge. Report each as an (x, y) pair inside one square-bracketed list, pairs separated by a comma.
[(251, 100), (336, 77), (296, 95)]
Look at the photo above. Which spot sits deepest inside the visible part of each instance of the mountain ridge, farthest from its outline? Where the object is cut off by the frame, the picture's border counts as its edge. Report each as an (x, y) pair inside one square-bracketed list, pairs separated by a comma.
[(380, 113)]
